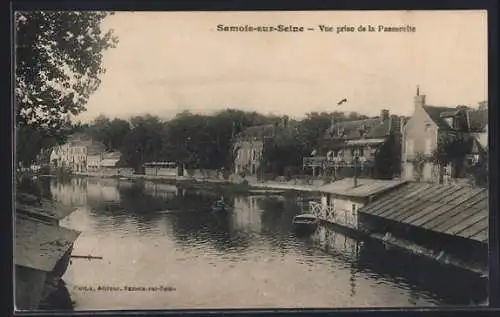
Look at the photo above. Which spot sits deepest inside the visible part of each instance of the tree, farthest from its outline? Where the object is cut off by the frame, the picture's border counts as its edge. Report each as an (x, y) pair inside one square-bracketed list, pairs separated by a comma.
[(451, 149), (419, 161), (110, 132), (478, 173), (388, 158), (29, 141), (143, 142), (58, 66)]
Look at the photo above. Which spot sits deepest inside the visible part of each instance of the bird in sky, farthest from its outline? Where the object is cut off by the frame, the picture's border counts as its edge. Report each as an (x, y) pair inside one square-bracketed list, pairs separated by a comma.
[(341, 101)]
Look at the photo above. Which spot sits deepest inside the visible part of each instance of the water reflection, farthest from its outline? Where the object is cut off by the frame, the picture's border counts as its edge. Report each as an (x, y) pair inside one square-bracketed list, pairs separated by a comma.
[(158, 234)]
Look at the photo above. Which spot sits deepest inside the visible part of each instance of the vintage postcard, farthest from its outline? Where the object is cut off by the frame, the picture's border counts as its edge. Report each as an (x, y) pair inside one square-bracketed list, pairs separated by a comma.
[(184, 160)]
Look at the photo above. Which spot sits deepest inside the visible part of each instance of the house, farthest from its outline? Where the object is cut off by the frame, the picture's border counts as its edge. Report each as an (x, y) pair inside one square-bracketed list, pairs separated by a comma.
[(477, 120), (341, 200), (163, 169), (94, 162), (74, 154), (249, 146), (70, 156), (110, 161), (94, 156), (427, 125), (359, 144)]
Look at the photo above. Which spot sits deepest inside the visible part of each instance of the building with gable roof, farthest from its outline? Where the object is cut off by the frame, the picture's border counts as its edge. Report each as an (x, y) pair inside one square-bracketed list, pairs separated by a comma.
[(249, 146), (421, 134), (79, 154), (359, 144)]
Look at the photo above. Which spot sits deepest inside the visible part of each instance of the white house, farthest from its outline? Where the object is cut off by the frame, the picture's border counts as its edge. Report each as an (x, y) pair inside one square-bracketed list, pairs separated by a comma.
[(341, 200), (73, 157), (94, 162), (110, 159), (76, 152)]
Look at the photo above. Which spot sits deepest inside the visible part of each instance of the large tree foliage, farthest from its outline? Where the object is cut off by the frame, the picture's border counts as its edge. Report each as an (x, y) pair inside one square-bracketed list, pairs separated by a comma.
[(58, 66), (451, 149), (143, 142), (110, 132)]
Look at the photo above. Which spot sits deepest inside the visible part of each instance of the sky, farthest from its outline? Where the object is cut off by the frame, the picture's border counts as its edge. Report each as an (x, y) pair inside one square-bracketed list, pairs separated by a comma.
[(168, 62)]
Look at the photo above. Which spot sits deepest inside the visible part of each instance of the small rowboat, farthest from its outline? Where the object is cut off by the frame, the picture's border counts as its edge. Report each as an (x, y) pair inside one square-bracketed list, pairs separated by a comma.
[(220, 206), (305, 223)]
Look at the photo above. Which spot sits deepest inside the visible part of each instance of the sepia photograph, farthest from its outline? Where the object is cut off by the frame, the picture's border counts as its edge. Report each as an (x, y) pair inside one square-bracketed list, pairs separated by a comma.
[(250, 159)]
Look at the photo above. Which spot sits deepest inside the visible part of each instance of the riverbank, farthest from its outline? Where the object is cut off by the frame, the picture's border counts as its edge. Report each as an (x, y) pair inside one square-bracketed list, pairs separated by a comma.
[(244, 186)]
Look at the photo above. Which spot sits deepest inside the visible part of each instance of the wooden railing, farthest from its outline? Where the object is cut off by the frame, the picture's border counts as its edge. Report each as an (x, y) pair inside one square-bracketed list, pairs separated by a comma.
[(314, 161), (341, 216), (322, 161)]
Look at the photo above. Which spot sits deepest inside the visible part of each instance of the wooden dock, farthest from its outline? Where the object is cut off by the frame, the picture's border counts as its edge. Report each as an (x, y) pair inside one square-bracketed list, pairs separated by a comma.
[(42, 249)]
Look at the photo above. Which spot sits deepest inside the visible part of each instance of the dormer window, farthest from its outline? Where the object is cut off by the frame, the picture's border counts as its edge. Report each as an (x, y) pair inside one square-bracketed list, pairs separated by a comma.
[(450, 122)]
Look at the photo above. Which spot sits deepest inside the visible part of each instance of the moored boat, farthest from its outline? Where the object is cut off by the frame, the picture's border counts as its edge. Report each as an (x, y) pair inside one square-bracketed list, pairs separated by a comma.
[(305, 223), (220, 206)]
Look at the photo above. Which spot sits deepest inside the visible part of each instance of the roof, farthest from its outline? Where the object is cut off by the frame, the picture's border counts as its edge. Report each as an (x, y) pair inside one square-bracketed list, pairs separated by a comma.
[(78, 136), (478, 120), (365, 141), (111, 155), (160, 164), (457, 210), (45, 209), (259, 131), (39, 246), (365, 188), (436, 115), (374, 128), (95, 148), (109, 162)]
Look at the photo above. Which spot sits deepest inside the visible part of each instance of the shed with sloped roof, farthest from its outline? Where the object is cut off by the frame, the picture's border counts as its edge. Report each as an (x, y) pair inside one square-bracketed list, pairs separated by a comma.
[(454, 210)]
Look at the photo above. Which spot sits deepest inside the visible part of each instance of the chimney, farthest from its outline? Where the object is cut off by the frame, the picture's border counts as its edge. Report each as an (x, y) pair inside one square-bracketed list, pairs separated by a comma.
[(384, 115), (284, 121), (419, 100)]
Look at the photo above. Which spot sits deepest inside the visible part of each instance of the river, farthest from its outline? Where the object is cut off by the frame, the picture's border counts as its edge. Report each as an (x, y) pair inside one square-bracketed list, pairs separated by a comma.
[(163, 248)]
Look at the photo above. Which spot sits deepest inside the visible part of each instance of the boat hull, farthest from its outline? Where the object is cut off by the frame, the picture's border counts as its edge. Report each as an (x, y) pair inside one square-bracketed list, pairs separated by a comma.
[(305, 228)]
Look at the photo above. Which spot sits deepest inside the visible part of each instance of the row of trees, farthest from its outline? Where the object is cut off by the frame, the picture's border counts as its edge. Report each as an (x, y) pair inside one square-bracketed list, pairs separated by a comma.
[(206, 141)]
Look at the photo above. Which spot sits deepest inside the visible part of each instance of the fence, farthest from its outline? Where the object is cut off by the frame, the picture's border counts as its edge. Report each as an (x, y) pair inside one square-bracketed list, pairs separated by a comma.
[(343, 217)]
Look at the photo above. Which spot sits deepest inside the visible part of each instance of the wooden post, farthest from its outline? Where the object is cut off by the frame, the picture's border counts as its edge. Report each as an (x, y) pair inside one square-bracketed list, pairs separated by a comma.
[(356, 160)]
